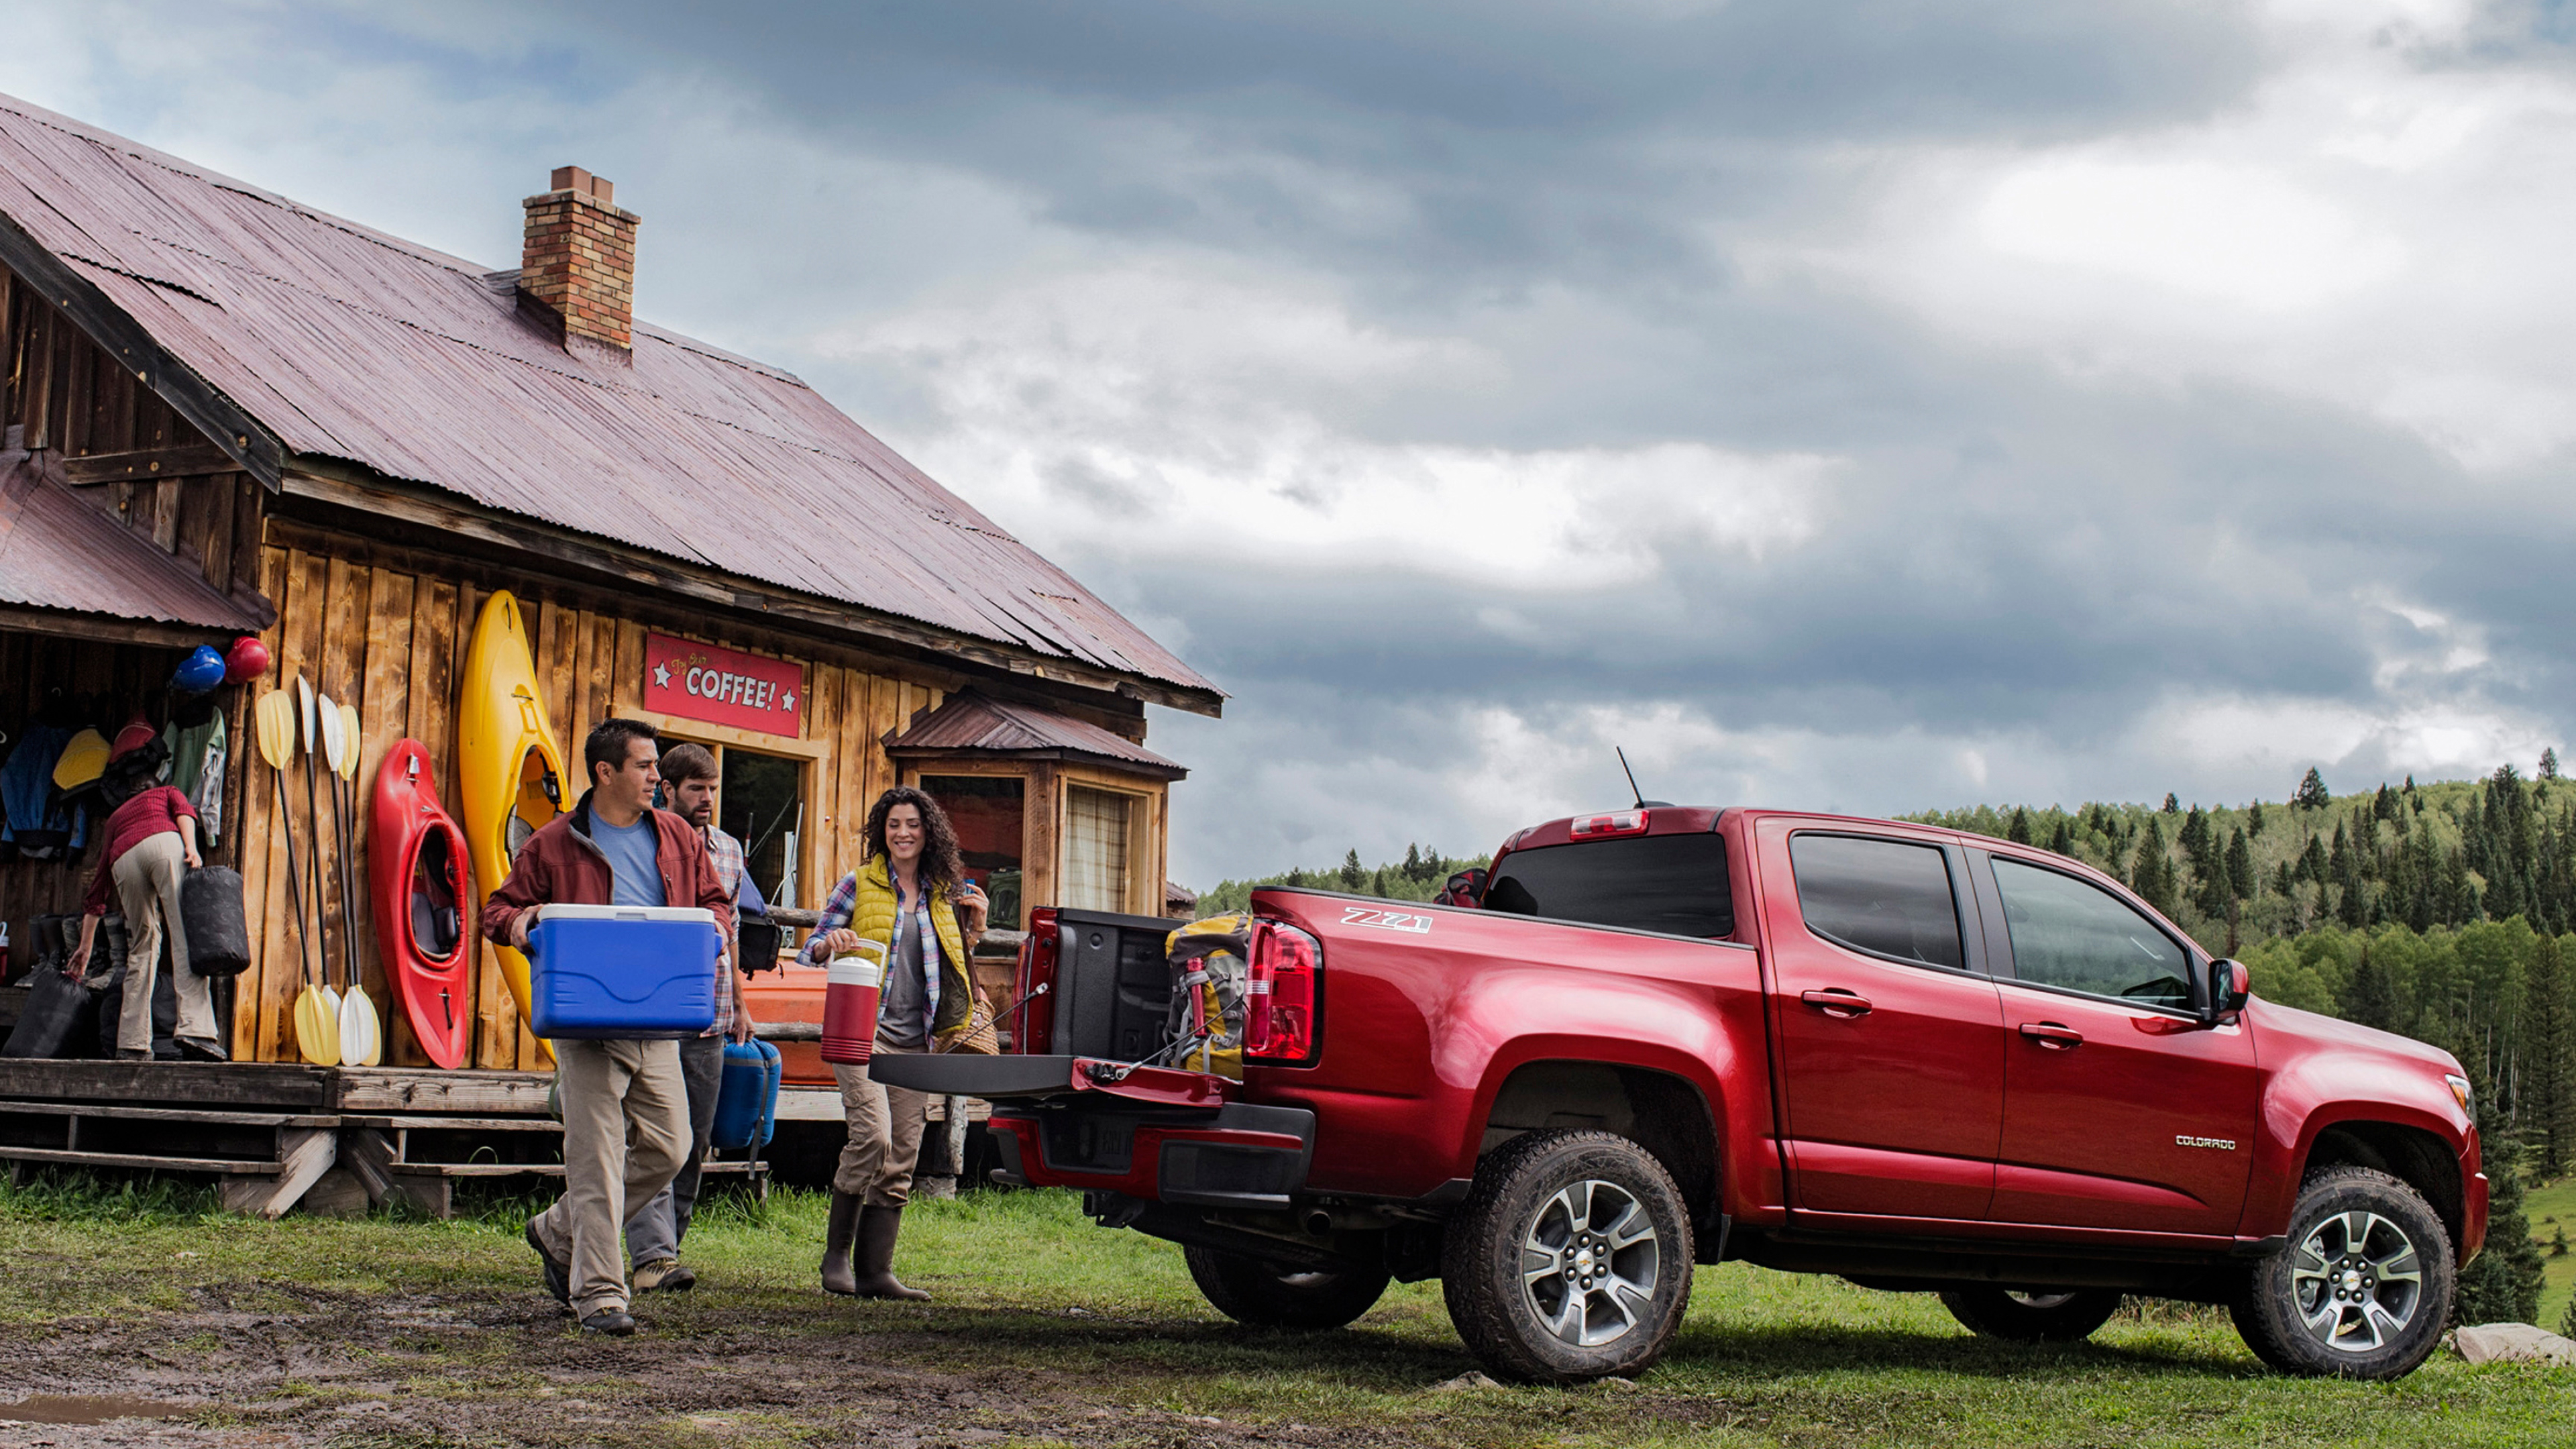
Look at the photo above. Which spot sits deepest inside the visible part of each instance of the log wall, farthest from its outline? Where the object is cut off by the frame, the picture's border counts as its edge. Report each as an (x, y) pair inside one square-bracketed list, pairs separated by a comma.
[(385, 630)]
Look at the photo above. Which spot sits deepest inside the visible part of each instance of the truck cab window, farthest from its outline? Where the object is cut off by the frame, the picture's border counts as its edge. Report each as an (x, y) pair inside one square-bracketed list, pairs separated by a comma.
[(2068, 933), (1675, 884), (1886, 897)]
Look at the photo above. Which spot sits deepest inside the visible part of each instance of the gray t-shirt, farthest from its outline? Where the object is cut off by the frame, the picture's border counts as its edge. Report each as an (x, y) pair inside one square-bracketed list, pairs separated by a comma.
[(904, 1006)]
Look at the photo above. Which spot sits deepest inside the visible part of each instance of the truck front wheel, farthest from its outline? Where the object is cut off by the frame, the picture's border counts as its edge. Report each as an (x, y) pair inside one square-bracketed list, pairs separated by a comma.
[(2362, 1289), (1274, 1295), (1570, 1259), (2068, 1316)]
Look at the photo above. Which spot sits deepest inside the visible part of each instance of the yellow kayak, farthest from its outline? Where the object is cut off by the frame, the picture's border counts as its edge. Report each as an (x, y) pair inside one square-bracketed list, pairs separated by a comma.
[(509, 771)]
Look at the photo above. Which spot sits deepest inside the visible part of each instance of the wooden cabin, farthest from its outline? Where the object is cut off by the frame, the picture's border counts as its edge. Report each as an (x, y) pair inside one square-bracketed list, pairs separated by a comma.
[(228, 413)]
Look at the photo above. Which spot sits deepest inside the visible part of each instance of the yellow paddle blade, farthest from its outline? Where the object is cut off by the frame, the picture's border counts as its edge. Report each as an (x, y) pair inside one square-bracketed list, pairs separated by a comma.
[(317, 1030), (349, 727), (276, 719)]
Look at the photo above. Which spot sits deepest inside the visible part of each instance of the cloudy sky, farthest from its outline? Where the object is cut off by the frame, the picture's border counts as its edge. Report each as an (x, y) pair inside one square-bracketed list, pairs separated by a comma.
[(1874, 406)]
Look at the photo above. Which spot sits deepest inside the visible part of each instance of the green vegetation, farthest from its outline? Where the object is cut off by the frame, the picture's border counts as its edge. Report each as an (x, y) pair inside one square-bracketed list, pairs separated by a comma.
[(1048, 1330), (1417, 877)]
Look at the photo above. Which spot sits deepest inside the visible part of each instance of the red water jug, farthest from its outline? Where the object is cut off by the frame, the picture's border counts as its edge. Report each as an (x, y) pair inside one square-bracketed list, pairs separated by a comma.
[(850, 995)]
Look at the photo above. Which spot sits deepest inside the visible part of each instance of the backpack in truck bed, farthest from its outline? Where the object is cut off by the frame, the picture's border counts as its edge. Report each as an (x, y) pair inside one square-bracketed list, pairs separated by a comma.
[(1210, 972)]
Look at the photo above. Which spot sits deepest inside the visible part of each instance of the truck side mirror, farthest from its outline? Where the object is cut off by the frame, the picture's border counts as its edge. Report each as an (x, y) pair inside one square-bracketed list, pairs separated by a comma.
[(2229, 986)]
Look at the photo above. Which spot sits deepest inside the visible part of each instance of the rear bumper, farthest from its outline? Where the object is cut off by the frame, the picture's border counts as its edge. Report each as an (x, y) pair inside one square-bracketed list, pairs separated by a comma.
[(1235, 1156)]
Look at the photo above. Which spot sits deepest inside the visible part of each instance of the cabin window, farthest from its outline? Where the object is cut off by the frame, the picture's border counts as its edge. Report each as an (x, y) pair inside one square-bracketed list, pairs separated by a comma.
[(989, 813), (1096, 830), (760, 801)]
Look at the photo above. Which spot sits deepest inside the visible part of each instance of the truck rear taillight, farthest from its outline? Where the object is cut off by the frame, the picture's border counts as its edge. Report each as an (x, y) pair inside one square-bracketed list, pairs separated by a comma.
[(1617, 822), (1279, 995), (1032, 1023)]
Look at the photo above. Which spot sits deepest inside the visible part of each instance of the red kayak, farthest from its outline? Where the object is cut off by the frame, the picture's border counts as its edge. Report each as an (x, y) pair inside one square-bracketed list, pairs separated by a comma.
[(416, 878)]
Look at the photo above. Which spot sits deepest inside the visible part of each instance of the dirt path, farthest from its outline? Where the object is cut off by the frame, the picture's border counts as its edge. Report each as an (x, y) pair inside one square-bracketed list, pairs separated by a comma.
[(463, 1368)]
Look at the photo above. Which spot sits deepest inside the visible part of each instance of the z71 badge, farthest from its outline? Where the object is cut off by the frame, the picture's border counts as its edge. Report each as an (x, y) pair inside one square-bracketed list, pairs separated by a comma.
[(1386, 920)]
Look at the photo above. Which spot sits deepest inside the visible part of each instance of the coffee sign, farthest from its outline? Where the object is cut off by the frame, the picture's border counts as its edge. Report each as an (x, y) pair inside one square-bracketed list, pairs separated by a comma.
[(722, 686)]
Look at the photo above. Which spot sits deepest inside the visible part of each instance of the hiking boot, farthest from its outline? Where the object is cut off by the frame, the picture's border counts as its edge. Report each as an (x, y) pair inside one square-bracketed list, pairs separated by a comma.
[(615, 1322), (199, 1049), (664, 1275), (558, 1272)]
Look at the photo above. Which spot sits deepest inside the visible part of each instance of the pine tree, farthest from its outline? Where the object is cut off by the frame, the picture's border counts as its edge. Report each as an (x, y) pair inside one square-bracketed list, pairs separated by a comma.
[(2019, 830), (2549, 763), (2150, 875), (2503, 1284), (2240, 866), (1354, 875), (2196, 844), (2311, 793), (2384, 804), (2172, 805), (1413, 863), (2254, 820), (2370, 997), (1377, 882), (2548, 1096), (2062, 839)]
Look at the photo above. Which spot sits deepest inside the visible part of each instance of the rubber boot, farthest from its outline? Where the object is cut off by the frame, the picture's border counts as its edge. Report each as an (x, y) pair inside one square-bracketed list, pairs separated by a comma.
[(844, 1224), (878, 1228)]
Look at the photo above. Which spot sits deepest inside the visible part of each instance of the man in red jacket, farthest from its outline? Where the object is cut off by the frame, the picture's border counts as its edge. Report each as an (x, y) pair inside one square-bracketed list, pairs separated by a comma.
[(625, 1106)]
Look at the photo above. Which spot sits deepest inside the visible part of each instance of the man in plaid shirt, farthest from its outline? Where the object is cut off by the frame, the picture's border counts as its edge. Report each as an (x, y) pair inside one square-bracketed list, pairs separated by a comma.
[(654, 1232)]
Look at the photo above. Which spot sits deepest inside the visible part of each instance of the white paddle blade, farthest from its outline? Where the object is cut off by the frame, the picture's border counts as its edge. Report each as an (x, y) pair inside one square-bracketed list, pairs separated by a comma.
[(334, 741), (304, 707)]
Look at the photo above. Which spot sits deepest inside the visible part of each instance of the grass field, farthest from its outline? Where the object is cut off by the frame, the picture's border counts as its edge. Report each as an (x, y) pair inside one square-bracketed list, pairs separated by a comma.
[(2550, 1209), (1050, 1331)]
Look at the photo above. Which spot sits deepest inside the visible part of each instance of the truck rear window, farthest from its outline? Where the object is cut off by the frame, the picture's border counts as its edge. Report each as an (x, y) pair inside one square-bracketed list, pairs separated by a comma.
[(1670, 883)]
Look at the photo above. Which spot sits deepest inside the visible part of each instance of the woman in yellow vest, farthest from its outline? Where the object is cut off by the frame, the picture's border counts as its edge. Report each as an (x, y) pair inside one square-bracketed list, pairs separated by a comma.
[(907, 898)]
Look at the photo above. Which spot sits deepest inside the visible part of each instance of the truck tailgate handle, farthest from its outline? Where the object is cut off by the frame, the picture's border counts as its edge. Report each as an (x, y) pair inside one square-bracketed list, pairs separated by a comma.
[(2055, 1036), (1835, 1001)]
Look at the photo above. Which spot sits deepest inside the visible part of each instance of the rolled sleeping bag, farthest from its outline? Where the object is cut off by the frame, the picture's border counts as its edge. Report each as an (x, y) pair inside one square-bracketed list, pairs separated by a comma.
[(210, 904), (58, 1010)]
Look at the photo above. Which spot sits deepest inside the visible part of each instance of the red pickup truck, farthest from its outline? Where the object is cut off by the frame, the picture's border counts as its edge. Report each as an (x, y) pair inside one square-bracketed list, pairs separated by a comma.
[(1922, 1060)]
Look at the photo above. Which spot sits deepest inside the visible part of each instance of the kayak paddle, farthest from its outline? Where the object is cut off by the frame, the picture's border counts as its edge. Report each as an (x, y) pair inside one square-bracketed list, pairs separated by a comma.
[(321, 882), (361, 1037), (317, 1032)]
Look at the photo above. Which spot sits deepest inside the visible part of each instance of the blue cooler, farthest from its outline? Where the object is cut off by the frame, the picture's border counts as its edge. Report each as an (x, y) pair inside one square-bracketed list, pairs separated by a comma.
[(622, 972), (747, 1096)]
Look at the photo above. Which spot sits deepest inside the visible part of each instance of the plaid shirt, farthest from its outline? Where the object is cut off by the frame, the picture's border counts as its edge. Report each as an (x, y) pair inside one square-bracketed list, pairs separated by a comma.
[(837, 910), (726, 853)]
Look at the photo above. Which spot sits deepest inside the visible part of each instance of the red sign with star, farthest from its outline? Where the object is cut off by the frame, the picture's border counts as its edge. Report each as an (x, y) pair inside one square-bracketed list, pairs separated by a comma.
[(723, 686)]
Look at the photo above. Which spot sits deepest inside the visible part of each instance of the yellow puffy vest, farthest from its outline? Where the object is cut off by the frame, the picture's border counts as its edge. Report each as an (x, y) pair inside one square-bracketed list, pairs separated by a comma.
[(872, 915)]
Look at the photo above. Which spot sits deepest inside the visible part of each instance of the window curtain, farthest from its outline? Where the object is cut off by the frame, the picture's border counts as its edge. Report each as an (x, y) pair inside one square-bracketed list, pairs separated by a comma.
[(1095, 852)]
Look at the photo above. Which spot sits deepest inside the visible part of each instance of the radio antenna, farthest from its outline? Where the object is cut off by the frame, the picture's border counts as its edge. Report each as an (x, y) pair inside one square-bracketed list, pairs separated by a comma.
[(1639, 795)]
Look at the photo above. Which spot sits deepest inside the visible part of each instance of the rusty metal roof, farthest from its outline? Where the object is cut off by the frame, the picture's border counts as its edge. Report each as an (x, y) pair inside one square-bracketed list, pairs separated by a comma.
[(971, 723), (58, 550), (350, 344)]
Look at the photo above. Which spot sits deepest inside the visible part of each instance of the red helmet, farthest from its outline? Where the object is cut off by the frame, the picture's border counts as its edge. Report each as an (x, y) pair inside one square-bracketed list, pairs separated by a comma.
[(247, 659), (136, 735)]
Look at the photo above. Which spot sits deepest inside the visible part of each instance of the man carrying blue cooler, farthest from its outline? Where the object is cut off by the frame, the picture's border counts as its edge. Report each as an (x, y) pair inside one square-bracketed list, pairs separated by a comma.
[(625, 1106), (655, 1232)]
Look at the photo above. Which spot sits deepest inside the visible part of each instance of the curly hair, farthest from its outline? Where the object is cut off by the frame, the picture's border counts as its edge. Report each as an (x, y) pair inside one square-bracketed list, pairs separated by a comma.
[(943, 868)]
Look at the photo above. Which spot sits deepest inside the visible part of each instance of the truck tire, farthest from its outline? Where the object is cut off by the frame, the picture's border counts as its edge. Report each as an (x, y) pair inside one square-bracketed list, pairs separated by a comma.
[(1570, 1259), (2364, 1287), (1275, 1295), (2062, 1316)]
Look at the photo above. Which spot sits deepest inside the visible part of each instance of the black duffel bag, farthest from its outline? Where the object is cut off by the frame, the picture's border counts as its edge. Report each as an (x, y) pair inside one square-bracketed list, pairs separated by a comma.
[(210, 906), (61, 1016)]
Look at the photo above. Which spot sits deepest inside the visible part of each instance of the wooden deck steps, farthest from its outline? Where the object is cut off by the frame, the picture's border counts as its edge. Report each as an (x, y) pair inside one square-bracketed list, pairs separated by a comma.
[(270, 1132)]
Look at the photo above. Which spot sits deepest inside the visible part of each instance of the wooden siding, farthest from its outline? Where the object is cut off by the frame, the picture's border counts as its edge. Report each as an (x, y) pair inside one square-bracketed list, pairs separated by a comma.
[(385, 630)]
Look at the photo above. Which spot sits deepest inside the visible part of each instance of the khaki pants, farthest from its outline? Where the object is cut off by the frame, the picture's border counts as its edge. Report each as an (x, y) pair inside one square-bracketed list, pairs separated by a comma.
[(626, 1129), (147, 886), (885, 1136)]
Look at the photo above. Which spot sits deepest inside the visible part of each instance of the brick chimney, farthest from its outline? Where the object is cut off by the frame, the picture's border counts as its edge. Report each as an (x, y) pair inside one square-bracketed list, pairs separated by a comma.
[(578, 265)]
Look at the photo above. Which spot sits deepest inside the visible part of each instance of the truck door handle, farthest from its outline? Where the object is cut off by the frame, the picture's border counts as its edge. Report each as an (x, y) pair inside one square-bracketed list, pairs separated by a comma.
[(2053, 1035), (1837, 1002)]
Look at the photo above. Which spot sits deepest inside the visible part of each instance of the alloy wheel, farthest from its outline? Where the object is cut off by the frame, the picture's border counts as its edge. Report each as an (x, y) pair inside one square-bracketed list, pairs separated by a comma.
[(1590, 1262), (2357, 1281)]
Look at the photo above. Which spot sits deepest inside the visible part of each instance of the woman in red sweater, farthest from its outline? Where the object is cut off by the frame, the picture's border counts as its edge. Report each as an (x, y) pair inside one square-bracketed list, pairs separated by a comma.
[(149, 840)]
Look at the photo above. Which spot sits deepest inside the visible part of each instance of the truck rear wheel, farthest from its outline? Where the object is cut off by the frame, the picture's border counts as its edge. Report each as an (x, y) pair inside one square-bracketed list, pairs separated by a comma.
[(2065, 1316), (2363, 1288), (1570, 1259), (1276, 1295)]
